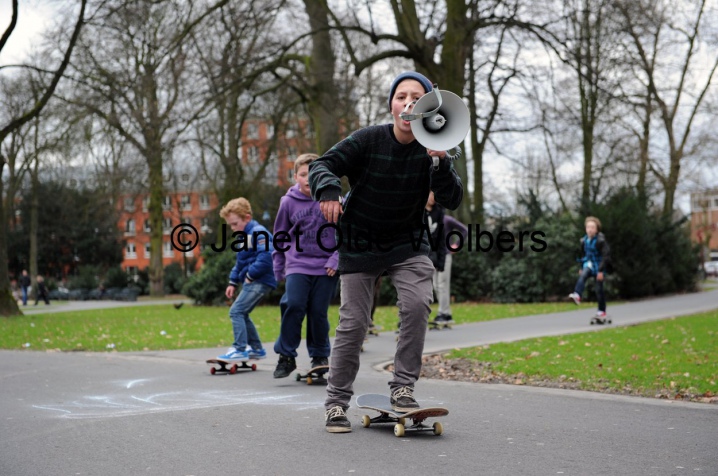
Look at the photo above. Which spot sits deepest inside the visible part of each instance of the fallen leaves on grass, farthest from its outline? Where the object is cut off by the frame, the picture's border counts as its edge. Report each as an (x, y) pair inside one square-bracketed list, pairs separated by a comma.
[(437, 366)]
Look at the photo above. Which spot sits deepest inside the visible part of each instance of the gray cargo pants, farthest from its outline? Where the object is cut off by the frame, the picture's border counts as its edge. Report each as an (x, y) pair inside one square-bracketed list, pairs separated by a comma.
[(412, 280)]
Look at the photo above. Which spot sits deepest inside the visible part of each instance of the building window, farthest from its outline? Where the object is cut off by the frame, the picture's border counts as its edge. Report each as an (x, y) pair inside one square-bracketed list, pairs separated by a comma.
[(166, 202), (129, 204), (167, 250), (715, 202), (186, 202), (290, 174), (291, 131), (270, 130), (145, 204), (205, 225), (130, 251), (147, 250), (252, 131), (130, 227), (204, 202), (292, 153), (166, 225), (147, 228), (253, 155)]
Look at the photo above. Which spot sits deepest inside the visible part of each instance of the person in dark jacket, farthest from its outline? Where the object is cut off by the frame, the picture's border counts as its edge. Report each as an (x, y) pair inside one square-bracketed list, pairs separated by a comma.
[(380, 228), (595, 262), (24, 286), (442, 286), (253, 271), (42, 292)]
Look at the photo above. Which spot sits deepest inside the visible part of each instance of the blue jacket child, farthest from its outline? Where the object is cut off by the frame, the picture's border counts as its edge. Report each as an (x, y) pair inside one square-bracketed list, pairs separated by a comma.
[(595, 261), (253, 271)]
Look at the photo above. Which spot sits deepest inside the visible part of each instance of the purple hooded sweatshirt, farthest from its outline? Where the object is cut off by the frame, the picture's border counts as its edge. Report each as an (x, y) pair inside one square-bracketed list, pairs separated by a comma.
[(298, 212)]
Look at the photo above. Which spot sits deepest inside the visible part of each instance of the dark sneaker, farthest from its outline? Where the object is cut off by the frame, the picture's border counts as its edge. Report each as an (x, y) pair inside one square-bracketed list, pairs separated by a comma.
[(402, 399), (443, 318), (319, 361), (285, 366), (337, 421)]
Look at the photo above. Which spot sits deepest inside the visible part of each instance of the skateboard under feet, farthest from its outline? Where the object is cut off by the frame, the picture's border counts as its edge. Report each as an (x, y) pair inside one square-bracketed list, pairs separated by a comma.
[(382, 404), (314, 375), (601, 320), (435, 326), (229, 367)]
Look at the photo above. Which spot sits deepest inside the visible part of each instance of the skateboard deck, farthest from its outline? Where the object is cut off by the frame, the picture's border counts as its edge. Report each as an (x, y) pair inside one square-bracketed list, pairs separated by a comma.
[(382, 404), (229, 366), (435, 326), (600, 320), (314, 375)]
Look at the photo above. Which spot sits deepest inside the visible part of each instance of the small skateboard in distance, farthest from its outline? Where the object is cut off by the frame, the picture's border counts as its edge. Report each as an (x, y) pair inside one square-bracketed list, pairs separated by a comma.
[(373, 331), (600, 320), (435, 326), (229, 367), (314, 375), (382, 404)]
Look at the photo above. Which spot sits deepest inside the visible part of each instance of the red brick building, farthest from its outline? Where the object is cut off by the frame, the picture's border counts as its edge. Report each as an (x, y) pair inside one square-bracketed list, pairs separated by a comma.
[(191, 202), (704, 221)]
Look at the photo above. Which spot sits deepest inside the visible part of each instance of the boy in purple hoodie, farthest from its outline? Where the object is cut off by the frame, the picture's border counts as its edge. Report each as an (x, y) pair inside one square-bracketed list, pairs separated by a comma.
[(310, 272)]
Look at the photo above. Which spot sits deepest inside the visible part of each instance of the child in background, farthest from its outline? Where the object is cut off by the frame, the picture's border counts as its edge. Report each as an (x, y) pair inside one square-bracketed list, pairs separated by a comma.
[(309, 270), (253, 270), (595, 260)]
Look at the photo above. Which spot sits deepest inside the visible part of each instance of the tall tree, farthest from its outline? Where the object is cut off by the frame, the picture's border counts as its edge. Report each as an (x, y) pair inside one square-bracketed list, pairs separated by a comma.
[(8, 306), (667, 44), (137, 84)]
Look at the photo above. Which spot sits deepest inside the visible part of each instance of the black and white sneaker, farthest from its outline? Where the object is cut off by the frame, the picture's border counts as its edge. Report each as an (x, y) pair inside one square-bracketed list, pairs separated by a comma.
[(402, 400), (337, 421), (285, 366), (319, 361)]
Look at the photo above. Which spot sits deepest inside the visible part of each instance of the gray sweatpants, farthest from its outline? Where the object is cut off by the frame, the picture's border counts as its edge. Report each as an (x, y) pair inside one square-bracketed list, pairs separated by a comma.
[(412, 281)]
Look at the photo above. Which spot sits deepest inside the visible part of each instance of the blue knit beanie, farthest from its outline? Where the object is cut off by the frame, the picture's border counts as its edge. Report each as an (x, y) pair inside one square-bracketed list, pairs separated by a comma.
[(409, 75)]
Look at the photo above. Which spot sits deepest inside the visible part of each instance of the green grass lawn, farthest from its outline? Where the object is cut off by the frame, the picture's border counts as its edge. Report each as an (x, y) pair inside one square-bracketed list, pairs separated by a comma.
[(674, 358), (163, 327)]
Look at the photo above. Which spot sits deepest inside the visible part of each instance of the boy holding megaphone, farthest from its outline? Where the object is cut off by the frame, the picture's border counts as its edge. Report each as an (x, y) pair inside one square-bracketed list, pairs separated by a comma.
[(380, 229)]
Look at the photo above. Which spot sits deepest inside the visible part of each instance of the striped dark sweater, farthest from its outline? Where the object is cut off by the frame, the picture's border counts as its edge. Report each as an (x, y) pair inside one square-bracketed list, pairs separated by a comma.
[(383, 219)]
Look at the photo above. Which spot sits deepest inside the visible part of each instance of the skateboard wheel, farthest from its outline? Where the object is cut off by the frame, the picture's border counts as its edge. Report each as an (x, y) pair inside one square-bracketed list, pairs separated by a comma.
[(438, 428), (212, 370), (402, 421), (233, 369), (610, 321), (309, 380), (366, 421), (254, 367), (399, 430), (592, 322), (298, 377)]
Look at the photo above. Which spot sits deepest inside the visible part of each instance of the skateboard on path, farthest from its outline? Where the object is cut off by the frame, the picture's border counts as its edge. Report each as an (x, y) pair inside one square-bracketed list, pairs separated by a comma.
[(229, 366), (435, 326), (314, 375), (600, 320), (382, 404)]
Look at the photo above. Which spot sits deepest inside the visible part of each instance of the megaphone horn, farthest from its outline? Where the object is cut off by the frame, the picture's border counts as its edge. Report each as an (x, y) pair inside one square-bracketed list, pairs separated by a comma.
[(439, 120)]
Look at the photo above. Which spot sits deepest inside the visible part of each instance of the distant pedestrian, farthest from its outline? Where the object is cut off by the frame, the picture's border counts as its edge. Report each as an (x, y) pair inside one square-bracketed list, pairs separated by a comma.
[(25, 286), (41, 291)]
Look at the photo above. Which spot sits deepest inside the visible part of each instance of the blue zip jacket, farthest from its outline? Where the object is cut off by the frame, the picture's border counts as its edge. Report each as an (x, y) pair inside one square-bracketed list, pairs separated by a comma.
[(255, 261), (595, 253)]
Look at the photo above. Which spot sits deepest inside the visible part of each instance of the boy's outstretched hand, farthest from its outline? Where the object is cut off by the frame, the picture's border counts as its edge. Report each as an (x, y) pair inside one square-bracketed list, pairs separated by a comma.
[(331, 209)]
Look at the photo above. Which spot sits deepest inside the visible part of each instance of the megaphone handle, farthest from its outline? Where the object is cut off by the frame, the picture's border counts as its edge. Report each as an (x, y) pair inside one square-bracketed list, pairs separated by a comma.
[(435, 161)]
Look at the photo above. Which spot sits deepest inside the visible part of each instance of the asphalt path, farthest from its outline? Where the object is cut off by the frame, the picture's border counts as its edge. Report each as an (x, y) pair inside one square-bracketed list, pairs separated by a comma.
[(162, 413)]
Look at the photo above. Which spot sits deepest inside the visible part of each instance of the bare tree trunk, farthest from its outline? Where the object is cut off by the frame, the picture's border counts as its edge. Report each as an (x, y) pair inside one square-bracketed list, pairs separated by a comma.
[(478, 210), (323, 101)]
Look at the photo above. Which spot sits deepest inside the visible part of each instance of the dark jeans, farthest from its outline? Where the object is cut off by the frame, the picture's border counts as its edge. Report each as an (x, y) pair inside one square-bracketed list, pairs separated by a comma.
[(309, 296), (581, 284)]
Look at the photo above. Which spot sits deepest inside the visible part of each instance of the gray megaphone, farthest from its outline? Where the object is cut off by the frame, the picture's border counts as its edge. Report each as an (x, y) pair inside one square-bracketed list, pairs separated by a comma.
[(439, 120)]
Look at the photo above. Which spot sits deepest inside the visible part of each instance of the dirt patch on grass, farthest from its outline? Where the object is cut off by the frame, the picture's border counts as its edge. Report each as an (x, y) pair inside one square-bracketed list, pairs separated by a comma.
[(436, 366)]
